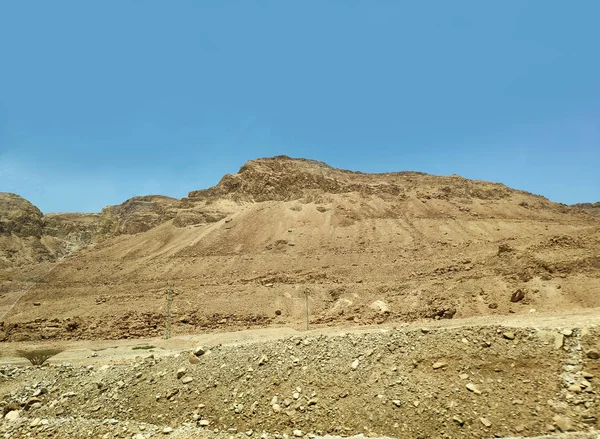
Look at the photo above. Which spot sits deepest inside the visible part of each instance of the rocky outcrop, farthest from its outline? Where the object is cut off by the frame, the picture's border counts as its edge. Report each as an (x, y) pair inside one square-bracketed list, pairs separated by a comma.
[(136, 215), (591, 208), (19, 217), (283, 179)]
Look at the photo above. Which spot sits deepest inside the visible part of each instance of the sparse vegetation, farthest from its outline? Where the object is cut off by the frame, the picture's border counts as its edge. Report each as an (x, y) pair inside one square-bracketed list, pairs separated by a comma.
[(143, 347), (37, 357)]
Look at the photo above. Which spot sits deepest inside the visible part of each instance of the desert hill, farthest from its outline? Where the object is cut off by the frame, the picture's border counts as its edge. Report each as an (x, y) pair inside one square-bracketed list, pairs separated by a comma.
[(366, 248), (592, 208)]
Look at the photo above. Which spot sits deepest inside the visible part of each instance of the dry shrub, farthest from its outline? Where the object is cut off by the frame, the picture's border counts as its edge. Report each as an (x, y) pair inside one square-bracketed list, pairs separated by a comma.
[(38, 357)]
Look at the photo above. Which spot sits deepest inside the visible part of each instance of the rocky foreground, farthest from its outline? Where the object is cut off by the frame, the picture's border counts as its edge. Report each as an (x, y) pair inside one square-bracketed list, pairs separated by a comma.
[(491, 381)]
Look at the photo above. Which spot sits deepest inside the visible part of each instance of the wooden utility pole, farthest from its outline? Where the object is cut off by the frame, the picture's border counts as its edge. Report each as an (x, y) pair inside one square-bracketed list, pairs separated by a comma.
[(306, 293), (169, 303)]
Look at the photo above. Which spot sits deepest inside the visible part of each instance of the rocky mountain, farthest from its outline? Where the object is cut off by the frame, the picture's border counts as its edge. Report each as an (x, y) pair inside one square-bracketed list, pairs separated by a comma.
[(366, 248)]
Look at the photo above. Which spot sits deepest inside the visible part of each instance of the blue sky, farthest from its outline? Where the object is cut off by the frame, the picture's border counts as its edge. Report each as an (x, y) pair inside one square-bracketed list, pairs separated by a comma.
[(101, 101)]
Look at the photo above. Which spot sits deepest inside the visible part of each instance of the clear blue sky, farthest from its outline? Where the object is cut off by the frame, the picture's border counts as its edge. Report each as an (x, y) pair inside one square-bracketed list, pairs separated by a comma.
[(101, 101)]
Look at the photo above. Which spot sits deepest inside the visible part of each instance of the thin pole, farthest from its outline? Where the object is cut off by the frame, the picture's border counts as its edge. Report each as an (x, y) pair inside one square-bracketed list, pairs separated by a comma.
[(306, 292), (169, 302)]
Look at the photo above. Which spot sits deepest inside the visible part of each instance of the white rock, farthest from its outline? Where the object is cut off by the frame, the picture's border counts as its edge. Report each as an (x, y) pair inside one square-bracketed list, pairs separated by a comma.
[(12, 415), (298, 433), (354, 364), (380, 306), (485, 422)]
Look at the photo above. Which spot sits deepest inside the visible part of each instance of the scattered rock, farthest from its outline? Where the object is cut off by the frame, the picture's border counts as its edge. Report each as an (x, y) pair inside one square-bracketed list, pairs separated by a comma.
[(563, 423), (517, 296), (485, 421), (593, 354), (509, 335), (263, 360), (167, 430), (12, 416), (473, 388), (187, 380), (458, 420), (354, 364), (559, 340), (439, 365), (193, 359), (298, 433), (181, 372), (574, 388)]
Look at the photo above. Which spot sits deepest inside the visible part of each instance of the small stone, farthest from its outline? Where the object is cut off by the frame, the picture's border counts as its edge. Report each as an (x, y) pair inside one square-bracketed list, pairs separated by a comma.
[(200, 350), (12, 415), (587, 375), (263, 360), (397, 402), (181, 372), (139, 436), (485, 421), (567, 332), (425, 330), (559, 341), (354, 364), (276, 408), (520, 428), (458, 420), (517, 296), (593, 354), (204, 423), (298, 433), (193, 359), (296, 395), (563, 423), (187, 380), (167, 430), (509, 335), (439, 365), (574, 388), (463, 376), (473, 388)]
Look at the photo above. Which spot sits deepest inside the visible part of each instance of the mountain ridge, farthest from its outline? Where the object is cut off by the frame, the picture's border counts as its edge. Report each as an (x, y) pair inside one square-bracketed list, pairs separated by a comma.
[(368, 247)]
